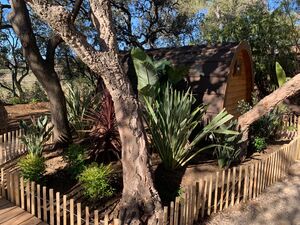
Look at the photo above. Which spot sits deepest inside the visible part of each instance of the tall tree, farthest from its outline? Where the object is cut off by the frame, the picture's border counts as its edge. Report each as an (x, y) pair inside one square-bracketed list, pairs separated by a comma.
[(140, 202)]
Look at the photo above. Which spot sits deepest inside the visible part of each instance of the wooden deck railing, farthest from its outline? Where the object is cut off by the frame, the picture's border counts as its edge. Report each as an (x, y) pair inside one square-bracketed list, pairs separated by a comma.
[(219, 191)]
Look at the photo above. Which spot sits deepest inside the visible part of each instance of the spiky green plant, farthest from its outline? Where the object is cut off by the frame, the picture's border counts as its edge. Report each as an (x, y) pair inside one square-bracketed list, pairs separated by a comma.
[(171, 120), (37, 133)]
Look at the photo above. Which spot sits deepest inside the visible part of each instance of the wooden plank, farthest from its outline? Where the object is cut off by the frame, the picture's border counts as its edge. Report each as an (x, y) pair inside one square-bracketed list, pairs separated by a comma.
[(78, 213), (233, 186), (17, 188), (71, 211), (64, 210), (165, 220), (106, 220), (227, 188), (209, 195), (216, 192), (87, 216), (28, 196), (3, 191), (222, 190), (194, 203), (199, 186), (22, 189), (33, 198), (182, 212), (45, 216), (57, 208), (38, 198), (96, 217), (245, 184), (51, 206), (204, 199), (251, 181), (239, 185), (171, 213), (176, 211)]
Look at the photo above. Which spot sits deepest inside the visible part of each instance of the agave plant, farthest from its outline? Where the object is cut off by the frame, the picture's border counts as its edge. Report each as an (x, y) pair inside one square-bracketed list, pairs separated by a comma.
[(37, 133), (171, 120)]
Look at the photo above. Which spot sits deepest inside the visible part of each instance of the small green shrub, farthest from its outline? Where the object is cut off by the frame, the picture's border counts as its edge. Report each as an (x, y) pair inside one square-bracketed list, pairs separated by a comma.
[(95, 181), (259, 144), (37, 94), (75, 156), (32, 167)]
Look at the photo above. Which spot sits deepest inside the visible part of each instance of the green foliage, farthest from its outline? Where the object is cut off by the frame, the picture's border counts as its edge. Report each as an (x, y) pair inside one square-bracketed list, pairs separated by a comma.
[(152, 74), (228, 149), (171, 120), (79, 101), (95, 181), (32, 167), (280, 73), (75, 156), (37, 94), (36, 134), (259, 144), (270, 34)]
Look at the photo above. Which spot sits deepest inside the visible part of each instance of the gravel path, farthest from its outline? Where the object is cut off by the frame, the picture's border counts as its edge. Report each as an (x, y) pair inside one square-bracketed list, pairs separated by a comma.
[(278, 205)]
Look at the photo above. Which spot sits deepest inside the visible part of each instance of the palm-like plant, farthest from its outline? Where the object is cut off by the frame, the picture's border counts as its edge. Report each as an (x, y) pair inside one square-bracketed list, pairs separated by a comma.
[(171, 120)]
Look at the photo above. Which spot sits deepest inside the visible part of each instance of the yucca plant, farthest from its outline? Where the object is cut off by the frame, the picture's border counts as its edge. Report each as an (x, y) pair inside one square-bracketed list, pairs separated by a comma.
[(171, 120), (37, 133), (78, 104)]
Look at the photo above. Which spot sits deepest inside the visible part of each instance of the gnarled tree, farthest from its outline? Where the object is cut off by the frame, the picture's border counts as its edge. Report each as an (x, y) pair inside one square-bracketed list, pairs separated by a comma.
[(140, 202), (42, 68)]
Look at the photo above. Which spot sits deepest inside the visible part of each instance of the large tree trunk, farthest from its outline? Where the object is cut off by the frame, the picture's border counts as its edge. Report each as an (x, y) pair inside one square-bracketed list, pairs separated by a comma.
[(290, 88), (140, 203), (42, 69)]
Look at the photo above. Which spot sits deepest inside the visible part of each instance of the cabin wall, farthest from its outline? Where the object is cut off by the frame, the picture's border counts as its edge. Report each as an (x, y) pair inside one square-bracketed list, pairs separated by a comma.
[(239, 84)]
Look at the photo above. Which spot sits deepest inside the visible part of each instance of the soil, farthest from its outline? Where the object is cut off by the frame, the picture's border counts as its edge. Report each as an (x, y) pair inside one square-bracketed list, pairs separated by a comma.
[(278, 205)]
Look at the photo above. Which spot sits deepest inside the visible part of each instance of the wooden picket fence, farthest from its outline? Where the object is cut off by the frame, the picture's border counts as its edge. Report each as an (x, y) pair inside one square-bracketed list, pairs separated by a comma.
[(218, 192), (290, 127)]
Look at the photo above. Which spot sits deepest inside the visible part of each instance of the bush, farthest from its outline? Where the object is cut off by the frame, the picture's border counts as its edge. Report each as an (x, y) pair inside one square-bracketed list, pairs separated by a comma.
[(37, 94), (75, 156), (259, 144), (32, 167), (36, 134), (172, 120), (95, 181)]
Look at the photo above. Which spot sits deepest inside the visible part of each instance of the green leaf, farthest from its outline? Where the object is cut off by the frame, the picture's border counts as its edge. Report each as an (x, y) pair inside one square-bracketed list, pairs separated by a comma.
[(281, 75)]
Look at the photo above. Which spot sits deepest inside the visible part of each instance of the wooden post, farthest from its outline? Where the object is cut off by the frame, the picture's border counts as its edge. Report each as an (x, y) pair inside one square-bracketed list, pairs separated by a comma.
[(165, 220), (227, 189), (57, 208), (222, 190), (176, 211), (209, 195), (251, 181), (17, 188), (78, 213), (32, 198), (239, 184), (51, 202), (233, 186), (106, 220), (171, 213), (87, 216), (245, 185), (64, 210), (3, 191), (38, 192), (71, 211), (45, 216), (28, 196), (204, 198), (216, 192), (96, 217), (22, 193)]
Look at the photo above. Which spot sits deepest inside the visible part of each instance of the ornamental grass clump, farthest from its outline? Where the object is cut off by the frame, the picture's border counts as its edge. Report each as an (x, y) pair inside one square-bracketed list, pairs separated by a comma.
[(95, 180), (172, 119)]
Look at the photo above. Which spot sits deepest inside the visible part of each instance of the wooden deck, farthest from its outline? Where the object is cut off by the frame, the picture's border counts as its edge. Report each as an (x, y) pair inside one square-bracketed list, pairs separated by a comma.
[(13, 215)]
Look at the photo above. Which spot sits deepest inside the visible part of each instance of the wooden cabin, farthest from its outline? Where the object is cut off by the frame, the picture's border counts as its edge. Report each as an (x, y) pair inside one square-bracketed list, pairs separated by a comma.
[(220, 76)]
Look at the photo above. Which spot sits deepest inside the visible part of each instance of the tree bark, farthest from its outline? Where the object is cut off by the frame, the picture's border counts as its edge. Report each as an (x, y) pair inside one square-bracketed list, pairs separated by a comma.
[(140, 203), (290, 88), (45, 73)]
